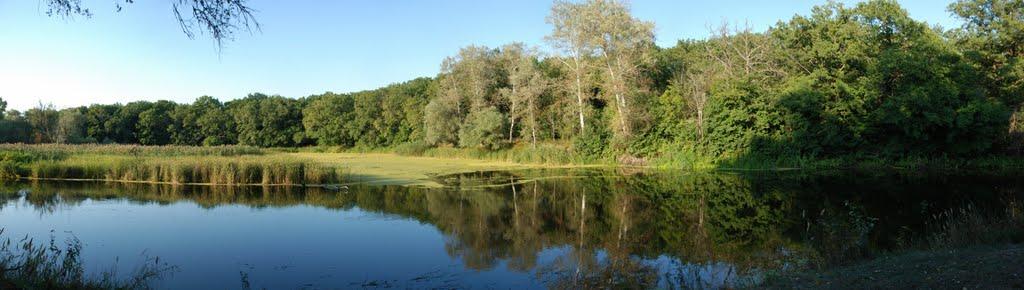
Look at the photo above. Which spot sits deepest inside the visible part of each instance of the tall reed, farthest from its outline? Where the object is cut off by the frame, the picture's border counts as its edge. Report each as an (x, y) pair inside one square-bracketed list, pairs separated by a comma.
[(227, 165), (28, 264), (970, 226), (261, 170)]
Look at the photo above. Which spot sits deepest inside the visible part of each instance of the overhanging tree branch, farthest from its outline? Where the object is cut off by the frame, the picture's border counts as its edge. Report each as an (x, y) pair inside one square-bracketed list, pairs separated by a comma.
[(221, 19)]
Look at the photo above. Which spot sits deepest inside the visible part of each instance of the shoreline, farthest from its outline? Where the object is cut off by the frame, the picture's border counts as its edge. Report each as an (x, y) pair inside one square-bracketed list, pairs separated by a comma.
[(998, 266), (321, 166)]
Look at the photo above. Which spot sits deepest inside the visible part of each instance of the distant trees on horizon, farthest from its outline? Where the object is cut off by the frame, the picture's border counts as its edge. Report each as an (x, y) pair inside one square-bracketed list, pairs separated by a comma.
[(866, 79)]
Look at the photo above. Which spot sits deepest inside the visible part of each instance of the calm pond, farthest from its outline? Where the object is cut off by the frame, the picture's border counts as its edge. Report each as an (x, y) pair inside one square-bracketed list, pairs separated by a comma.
[(523, 229)]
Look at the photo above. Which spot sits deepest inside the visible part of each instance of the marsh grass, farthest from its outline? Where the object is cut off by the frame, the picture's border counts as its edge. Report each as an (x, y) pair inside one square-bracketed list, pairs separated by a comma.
[(28, 264), (969, 226), (11, 163), (964, 247), (223, 165), (217, 170)]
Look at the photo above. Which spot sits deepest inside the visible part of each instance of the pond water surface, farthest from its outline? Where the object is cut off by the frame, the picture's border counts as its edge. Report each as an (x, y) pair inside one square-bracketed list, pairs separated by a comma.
[(524, 229)]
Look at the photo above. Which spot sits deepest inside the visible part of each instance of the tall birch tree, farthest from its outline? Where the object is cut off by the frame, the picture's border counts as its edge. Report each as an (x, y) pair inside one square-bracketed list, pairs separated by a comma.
[(571, 28), (623, 44), (525, 85)]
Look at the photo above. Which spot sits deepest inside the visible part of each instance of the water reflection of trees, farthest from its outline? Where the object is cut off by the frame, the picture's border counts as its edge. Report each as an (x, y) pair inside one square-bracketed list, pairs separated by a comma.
[(612, 228)]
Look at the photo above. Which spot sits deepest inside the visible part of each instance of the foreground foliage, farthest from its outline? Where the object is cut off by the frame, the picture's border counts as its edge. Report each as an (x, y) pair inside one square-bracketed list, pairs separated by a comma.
[(966, 247), (30, 264), (984, 267)]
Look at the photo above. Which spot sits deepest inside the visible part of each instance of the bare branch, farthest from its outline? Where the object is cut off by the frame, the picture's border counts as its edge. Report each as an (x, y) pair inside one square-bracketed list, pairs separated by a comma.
[(66, 8), (221, 19)]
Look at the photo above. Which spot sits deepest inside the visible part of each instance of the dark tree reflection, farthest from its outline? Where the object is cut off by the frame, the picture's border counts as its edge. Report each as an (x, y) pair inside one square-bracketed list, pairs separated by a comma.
[(602, 229)]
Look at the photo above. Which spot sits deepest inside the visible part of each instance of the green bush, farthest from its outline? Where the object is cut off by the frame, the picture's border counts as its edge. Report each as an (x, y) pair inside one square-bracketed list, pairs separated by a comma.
[(484, 129), (12, 164), (592, 144), (206, 170), (415, 148), (441, 122)]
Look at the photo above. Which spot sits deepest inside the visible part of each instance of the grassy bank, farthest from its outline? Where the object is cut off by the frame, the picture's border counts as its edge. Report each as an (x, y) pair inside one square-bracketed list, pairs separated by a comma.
[(409, 164), (30, 264), (978, 267), (562, 154), (389, 168), (990, 164), (230, 165), (967, 248), (546, 153)]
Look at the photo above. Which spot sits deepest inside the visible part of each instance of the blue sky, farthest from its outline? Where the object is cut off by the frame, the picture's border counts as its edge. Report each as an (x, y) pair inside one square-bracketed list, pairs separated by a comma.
[(305, 47)]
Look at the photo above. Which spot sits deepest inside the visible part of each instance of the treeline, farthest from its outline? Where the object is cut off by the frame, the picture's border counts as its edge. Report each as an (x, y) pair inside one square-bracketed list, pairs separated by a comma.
[(864, 80), (373, 118)]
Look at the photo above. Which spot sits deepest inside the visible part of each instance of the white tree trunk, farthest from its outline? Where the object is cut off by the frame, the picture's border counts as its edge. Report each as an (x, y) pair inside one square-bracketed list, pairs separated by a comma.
[(579, 92), (533, 123), (512, 113), (620, 101)]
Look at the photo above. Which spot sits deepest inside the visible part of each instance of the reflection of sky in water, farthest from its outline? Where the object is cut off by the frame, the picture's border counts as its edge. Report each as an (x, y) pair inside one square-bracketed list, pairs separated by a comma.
[(715, 275)]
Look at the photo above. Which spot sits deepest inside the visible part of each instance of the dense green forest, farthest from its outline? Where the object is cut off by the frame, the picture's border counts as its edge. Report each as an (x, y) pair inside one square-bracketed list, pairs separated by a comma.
[(865, 80)]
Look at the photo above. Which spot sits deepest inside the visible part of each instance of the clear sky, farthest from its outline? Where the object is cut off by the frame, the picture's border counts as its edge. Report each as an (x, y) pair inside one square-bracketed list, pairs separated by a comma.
[(305, 47)]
